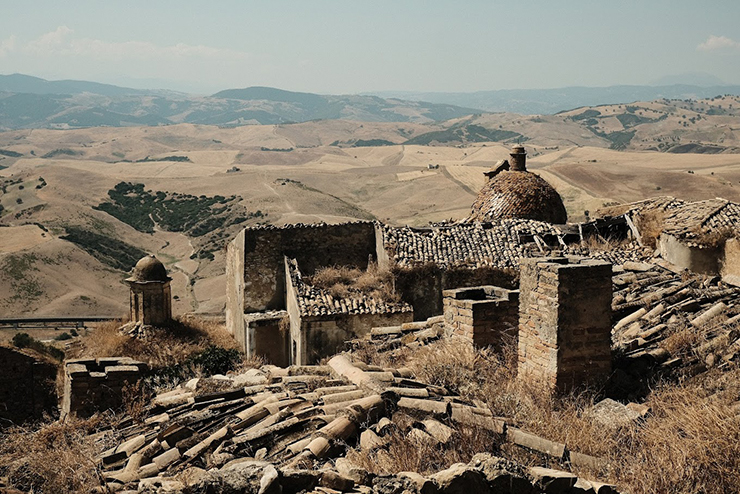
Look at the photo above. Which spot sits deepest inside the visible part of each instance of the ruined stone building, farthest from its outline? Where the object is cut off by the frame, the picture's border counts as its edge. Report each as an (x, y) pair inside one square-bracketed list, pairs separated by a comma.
[(273, 312), (700, 236)]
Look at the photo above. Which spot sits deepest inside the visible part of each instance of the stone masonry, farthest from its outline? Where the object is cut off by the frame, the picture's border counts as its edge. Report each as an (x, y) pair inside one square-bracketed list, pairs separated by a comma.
[(565, 321), (27, 386), (92, 385), (483, 314)]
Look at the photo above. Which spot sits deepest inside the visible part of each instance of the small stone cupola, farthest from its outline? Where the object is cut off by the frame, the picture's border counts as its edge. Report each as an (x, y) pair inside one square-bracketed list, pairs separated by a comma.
[(151, 298)]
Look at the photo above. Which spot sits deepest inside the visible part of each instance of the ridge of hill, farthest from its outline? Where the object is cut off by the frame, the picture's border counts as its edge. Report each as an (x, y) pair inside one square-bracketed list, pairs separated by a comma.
[(549, 101)]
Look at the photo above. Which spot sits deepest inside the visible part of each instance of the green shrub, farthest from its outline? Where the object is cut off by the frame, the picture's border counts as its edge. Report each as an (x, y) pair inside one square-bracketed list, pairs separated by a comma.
[(22, 340)]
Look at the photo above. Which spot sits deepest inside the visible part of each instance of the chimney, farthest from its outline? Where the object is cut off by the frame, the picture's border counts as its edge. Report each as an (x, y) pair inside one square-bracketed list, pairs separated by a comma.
[(518, 159)]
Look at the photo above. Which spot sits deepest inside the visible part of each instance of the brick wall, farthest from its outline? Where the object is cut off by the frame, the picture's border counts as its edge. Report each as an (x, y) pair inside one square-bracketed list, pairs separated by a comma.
[(92, 385), (565, 321), (486, 315)]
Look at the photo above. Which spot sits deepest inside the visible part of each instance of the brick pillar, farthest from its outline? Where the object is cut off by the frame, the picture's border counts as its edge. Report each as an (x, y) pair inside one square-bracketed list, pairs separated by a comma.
[(565, 321)]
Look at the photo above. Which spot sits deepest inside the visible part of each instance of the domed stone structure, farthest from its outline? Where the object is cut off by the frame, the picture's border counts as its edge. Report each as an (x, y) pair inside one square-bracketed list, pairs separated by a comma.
[(148, 269), (513, 192), (150, 299)]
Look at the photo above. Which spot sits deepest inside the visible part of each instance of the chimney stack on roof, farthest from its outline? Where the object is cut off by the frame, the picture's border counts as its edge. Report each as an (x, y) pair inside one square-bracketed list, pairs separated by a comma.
[(518, 162)]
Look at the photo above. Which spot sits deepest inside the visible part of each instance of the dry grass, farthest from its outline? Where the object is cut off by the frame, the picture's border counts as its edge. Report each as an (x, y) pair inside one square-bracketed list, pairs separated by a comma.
[(650, 225), (58, 457), (343, 282), (690, 443), (714, 238), (405, 453), (163, 346)]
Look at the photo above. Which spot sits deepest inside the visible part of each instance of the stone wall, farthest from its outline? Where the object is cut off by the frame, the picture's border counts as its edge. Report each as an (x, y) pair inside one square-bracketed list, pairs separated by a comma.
[(423, 285), (27, 387), (235, 288), (92, 385), (565, 321), (486, 315), (324, 336), (266, 337)]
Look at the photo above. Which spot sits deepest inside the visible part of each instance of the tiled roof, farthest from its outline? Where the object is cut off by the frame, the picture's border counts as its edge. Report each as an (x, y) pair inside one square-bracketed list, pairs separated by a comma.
[(314, 301), (496, 244), (693, 220)]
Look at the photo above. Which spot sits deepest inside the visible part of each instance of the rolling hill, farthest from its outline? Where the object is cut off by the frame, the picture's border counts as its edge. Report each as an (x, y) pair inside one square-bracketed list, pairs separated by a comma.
[(30, 102)]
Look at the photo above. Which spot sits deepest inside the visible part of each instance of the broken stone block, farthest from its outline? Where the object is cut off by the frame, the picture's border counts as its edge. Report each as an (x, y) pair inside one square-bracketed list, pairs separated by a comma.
[(461, 479), (334, 480), (614, 414), (552, 481)]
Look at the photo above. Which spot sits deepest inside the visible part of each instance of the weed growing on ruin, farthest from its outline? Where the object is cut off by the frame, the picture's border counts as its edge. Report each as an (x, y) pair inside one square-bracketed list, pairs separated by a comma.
[(406, 452), (163, 347), (345, 282), (650, 224)]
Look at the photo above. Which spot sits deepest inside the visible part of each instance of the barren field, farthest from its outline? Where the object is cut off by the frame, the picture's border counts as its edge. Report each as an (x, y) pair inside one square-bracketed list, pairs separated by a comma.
[(288, 174)]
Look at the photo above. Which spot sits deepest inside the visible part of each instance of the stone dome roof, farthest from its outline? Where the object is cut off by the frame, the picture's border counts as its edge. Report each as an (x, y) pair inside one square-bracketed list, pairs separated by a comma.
[(519, 194), (149, 269)]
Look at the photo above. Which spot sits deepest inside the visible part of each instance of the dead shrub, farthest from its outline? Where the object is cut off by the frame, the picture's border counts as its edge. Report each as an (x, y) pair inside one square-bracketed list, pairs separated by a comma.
[(712, 239), (163, 346), (404, 453), (690, 442), (58, 457), (681, 340)]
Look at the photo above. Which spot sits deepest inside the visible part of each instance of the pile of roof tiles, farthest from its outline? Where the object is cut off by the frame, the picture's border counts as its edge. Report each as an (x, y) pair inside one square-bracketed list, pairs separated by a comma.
[(289, 427), (652, 302), (314, 301)]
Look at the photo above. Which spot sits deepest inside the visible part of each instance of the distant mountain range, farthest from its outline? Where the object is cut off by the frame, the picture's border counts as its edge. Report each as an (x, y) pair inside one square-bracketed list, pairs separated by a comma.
[(551, 101), (32, 102)]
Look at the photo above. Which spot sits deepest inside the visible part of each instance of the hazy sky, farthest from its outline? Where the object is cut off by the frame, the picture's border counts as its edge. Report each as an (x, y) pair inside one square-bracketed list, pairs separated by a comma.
[(357, 46)]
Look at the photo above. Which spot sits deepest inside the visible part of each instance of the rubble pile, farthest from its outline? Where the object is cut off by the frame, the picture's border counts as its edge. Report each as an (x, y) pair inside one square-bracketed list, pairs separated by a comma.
[(652, 302), (411, 335), (286, 430)]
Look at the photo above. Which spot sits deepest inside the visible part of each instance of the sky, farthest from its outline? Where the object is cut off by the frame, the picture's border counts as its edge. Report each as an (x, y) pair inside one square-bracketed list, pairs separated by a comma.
[(353, 46)]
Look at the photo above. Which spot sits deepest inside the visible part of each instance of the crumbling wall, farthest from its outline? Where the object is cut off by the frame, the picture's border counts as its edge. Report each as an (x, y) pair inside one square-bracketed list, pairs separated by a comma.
[(92, 385), (486, 315), (730, 262), (326, 335), (266, 337), (27, 387), (422, 286), (313, 246), (694, 258), (565, 322)]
